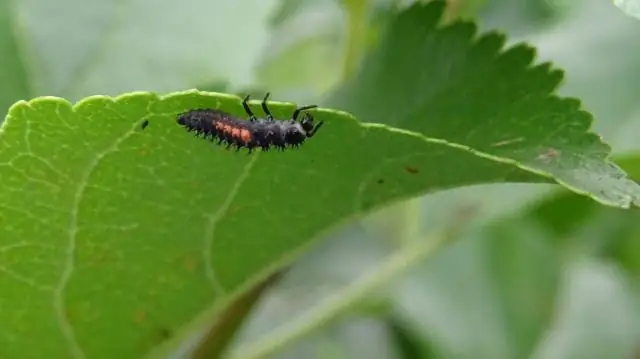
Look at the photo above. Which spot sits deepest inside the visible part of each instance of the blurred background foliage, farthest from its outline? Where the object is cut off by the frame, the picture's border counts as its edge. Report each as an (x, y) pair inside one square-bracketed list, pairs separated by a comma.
[(538, 272)]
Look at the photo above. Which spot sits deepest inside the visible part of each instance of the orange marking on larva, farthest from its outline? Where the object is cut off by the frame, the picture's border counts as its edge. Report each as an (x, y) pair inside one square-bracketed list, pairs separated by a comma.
[(226, 129), (245, 136), (235, 132)]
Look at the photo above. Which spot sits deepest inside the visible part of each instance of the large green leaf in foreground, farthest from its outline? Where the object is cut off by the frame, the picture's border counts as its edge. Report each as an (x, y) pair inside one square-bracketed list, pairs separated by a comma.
[(113, 238)]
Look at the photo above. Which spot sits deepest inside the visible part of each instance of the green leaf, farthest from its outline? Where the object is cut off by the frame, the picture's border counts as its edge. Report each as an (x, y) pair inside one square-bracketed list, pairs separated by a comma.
[(442, 83), (522, 301), (120, 236), (596, 315), (489, 295), (409, 344), (630, 7)]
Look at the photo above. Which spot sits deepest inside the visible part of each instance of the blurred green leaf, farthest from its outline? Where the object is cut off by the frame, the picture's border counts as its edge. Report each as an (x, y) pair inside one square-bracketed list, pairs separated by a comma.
[(544, 308), (489, 295), (312, 64), (504, 282), (630, 162), (518, 17), (410, 345), (524, 269), (14, 82), (596, 315), (630, 7), (287, 9), (84, 48), (305, 50), (563, 213)]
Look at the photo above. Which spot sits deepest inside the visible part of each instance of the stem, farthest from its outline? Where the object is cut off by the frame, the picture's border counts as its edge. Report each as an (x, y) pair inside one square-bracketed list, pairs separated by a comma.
[(216, 340), (300, 327), (357, 12)]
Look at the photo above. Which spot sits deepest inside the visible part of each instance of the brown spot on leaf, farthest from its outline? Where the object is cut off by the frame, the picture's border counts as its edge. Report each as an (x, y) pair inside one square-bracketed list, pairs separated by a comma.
[(235, 209), (139, 316), (190, 263), (145, 151), (69, 315), (411, 170)]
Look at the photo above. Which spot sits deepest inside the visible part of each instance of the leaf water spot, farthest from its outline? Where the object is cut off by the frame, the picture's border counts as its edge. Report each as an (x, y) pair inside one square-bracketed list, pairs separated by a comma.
[(507, 142), (549, 155)]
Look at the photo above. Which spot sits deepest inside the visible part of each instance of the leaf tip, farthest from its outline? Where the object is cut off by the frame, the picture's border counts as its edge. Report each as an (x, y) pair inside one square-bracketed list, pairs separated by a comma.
[(42, 100)]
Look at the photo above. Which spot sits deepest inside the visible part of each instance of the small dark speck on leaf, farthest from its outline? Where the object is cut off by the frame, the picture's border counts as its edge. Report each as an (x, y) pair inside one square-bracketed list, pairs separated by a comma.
[(144, 124), (380, 181), (411, 170), (165, 333)]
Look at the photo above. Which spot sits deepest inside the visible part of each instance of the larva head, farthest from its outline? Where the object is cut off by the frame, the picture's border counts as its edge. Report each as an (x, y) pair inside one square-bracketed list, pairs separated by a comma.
[(307, 123)]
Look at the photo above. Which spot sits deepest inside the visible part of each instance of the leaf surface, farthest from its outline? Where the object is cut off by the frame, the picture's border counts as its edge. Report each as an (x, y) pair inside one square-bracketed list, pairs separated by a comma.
[(119, 235)]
